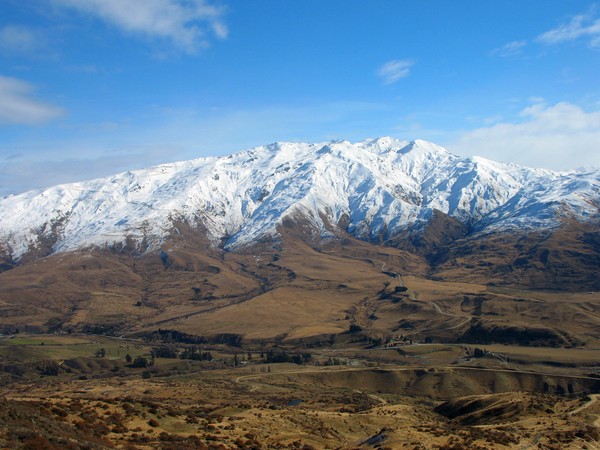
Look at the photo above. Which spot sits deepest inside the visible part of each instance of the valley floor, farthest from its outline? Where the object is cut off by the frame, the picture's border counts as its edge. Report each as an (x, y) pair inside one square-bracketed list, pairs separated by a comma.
[(81, 391)]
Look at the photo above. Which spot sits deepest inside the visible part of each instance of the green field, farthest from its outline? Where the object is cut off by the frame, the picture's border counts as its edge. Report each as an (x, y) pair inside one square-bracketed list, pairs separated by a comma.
[(40, 348)]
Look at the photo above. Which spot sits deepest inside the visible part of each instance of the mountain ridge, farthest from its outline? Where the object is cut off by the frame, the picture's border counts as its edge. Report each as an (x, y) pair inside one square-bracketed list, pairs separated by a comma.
[(374, 190)]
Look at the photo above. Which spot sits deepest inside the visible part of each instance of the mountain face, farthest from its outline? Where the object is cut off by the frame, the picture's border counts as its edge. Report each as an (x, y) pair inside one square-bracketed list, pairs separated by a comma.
[(373, 190), (293, 241)]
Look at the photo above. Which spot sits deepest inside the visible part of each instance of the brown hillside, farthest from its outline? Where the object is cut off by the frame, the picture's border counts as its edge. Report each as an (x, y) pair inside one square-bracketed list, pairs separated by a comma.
[(293, 290)]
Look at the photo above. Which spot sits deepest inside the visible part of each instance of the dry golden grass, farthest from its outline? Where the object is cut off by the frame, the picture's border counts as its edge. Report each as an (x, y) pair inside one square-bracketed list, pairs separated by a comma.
[(341, 408)]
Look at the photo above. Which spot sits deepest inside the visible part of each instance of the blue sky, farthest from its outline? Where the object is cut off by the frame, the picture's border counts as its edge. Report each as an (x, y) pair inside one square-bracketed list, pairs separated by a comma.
[(89, 88)]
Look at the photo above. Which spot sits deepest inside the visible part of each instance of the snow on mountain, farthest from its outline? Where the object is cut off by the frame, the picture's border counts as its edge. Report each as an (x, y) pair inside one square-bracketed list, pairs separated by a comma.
[(367, 187), (547, 201)]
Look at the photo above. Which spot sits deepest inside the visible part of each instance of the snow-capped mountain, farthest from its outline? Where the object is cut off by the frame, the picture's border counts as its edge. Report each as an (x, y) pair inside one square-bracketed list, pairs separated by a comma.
[(372, 188)]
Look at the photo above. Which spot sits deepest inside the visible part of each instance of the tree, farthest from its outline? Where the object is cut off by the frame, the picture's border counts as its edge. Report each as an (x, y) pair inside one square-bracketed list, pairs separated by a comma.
[(100, 353), (165, 351), (192, 352), (128, 358), (140, 362)]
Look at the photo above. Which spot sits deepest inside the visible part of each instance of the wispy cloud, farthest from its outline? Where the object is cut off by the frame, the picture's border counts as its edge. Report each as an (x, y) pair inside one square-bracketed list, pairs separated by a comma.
[(394, 70), (18, 106), (511, 49), (19, 39), (559, 136), (580, 26), (185, 23)]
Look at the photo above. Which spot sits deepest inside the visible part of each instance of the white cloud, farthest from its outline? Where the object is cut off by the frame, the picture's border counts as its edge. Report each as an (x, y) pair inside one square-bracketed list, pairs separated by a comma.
[(220, 29), (581, 26), (511, 49), (561, 136), (17, 106), (183, 22), (18, 39), (394, 70)]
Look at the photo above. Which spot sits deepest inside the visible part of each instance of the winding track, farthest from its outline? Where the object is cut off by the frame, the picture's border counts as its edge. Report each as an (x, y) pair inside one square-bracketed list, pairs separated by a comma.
[(464, 322), (593, 399)]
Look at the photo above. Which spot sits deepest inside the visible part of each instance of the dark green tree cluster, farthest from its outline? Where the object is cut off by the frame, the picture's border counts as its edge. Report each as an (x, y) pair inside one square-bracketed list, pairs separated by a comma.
[(176, 336), (196, 354), (284, 357), (165, 351), (140, 362)]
